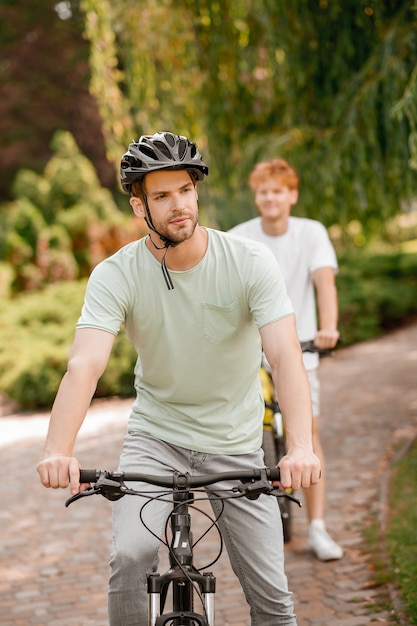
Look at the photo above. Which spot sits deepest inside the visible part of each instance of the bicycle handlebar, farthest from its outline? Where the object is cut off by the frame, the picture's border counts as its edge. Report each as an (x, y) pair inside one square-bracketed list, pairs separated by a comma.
[(112, 486), (310, 346), (177, 480)]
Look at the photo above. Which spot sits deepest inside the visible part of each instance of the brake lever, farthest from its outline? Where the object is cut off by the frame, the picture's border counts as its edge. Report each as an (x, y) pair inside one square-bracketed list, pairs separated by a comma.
[(88, 492), (111, 489), (278, 493), (252, 489)]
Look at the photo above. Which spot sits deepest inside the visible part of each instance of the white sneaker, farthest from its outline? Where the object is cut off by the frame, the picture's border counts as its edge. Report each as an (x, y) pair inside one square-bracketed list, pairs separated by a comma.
[(323, 546)]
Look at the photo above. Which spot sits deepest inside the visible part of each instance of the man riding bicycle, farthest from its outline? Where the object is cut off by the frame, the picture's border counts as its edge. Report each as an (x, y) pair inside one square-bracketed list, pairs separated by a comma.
[(308, 263), (198, 305)]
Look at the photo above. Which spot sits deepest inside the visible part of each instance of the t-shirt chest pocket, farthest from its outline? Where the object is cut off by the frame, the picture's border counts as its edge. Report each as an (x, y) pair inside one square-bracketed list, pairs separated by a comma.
[(222, 323)]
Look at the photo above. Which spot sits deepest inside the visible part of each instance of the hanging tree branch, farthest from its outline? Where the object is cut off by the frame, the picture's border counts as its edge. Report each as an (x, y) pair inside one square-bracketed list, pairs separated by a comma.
[(106, 77)]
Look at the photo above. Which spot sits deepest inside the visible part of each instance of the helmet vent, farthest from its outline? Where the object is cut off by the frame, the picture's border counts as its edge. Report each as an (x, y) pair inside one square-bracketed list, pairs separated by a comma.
[(148, 152), (170, 139), (162, 147), (182, 148)]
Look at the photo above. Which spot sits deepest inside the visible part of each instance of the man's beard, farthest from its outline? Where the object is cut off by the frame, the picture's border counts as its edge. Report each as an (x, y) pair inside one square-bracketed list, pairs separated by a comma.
[(178, 234)]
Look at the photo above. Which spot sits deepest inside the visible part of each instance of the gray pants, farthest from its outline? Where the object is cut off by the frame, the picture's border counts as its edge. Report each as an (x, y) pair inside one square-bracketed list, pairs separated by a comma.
[(251, 530)]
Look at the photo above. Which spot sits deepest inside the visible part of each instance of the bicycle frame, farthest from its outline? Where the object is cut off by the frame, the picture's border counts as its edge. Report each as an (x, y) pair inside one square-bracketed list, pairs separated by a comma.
[(273, 443)]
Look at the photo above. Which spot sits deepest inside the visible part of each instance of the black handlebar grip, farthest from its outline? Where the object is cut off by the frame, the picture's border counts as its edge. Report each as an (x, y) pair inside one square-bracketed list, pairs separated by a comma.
[(89, 475), (274, 474)]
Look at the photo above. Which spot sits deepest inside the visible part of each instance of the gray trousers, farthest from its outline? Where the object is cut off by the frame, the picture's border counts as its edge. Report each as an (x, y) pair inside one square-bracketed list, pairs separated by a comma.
[(251, 530)]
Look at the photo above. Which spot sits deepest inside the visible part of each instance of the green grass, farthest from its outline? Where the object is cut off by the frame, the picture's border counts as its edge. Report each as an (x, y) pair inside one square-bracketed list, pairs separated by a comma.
[(381, 573), (401, 535), (393, 551)]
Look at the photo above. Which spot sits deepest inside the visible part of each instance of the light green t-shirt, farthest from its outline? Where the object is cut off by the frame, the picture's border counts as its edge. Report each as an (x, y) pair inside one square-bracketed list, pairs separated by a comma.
[(198, 345)]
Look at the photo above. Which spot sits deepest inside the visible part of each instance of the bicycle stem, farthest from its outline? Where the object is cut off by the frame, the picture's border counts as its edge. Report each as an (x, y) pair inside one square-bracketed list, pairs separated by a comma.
[(181, 552)]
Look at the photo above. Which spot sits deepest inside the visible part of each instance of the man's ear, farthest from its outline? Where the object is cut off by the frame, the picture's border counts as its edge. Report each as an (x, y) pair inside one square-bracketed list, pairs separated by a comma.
[(137, 206)]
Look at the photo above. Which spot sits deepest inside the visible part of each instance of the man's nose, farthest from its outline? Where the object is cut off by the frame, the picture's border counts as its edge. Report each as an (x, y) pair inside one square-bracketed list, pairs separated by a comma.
[(177, 202)]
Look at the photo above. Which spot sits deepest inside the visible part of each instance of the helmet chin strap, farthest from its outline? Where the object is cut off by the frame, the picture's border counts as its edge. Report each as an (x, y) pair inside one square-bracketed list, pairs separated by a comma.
[(166, 241)]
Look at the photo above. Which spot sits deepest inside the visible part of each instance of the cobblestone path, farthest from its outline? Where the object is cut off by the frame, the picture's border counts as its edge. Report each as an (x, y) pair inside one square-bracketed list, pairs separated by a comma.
[(53, 561)]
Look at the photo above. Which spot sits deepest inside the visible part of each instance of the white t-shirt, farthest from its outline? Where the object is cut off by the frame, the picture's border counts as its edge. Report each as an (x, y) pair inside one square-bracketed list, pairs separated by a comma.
[(198, 345), (304, 248)]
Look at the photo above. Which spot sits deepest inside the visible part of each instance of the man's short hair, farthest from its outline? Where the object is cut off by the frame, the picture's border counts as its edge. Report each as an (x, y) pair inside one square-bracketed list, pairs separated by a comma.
[(278, 169)]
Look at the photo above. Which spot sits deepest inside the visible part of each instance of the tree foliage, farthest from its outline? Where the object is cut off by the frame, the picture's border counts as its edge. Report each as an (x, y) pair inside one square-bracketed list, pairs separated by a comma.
[(354, 62), (331, 86), (105, 75), (328, 85)]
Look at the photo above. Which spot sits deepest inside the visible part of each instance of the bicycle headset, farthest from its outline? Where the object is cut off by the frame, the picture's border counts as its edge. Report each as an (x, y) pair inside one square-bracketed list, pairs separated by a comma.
[(161, 151)]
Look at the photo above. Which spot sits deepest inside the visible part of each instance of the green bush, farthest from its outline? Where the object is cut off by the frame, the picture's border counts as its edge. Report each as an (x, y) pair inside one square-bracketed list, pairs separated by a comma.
[(376, 292), (37, 331), (61, 223)]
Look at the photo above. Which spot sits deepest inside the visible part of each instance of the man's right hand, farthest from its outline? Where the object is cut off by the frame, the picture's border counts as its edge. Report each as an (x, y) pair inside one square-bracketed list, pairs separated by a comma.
[(59, 471)]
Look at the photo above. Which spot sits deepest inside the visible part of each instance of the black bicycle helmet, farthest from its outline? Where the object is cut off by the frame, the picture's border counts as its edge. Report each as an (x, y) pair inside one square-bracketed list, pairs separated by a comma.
[(161, 151)]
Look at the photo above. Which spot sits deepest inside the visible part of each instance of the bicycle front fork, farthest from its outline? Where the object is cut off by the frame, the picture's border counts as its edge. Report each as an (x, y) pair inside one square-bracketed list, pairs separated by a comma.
[(182, 597)]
